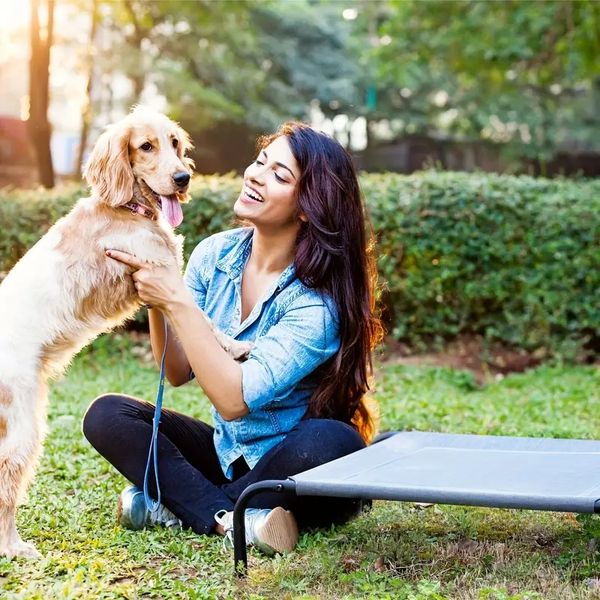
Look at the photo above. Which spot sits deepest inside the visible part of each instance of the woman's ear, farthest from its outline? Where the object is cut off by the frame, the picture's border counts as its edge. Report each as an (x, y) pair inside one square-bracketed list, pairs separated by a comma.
[(108, 169), (303, 217)]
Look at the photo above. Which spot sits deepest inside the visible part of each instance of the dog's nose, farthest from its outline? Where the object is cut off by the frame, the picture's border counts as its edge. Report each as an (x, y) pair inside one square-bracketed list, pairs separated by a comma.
[(181, 179)]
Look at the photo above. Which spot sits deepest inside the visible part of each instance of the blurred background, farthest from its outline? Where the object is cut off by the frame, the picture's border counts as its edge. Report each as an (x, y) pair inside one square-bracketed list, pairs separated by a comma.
[(507, 86), (467, 92)]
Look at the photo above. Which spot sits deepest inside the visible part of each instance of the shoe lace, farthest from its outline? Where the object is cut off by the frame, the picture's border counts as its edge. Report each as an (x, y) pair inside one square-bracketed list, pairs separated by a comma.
[(225, 519), (251, 517), (163, 516)]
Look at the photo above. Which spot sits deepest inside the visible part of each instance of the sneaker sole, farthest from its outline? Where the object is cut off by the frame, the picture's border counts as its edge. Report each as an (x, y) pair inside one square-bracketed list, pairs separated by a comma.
[(279, 532)]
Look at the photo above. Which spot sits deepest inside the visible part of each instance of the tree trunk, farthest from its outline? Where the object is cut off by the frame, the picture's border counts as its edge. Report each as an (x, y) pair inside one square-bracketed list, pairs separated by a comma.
[(138, 79), (39, 73), (87, 109)]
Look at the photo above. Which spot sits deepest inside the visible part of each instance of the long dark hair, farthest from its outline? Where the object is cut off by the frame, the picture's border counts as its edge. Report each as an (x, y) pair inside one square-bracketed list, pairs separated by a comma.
[(334, 254)]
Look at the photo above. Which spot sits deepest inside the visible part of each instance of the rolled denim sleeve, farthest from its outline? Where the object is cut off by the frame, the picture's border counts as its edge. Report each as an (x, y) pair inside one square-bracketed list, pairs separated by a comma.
[(304, 338)]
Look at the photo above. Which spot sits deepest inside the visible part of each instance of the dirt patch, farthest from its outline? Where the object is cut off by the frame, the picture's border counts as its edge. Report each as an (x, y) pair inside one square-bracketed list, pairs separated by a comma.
[(468, 353)]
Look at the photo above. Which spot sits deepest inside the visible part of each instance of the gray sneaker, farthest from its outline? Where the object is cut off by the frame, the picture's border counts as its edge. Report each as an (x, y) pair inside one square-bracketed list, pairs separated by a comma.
[(271, 530), (133, 514)]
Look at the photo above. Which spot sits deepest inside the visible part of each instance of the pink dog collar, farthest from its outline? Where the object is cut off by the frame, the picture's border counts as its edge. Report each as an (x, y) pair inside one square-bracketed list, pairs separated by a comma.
[(139, 209)]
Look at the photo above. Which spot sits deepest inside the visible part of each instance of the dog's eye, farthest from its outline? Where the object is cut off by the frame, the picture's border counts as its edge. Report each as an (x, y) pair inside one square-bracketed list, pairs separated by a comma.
[(175, 142), (146, 147)]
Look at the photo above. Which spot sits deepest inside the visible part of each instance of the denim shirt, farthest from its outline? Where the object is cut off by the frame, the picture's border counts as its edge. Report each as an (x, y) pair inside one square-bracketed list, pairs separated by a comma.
[(294, 330)]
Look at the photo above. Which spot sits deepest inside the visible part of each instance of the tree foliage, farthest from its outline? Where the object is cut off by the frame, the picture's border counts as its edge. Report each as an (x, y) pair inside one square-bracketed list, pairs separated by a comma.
[(232, 70), (520, 72), (251, 61)]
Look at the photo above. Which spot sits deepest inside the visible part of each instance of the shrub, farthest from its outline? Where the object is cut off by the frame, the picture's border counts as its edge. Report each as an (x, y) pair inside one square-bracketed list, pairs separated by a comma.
[(514, 259), (25, 215)]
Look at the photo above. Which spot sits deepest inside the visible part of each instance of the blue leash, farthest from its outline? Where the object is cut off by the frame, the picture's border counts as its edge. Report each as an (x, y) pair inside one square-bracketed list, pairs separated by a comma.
[(153, 450)]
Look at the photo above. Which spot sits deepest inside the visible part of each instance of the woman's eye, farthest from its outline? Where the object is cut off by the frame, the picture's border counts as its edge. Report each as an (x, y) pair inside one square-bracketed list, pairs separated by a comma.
[(175, 143), (280, 179), (259, 163), (146, 146)]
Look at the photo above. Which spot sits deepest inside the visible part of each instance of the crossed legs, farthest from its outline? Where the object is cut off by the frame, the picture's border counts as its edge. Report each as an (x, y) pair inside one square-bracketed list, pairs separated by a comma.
[(192, 483)]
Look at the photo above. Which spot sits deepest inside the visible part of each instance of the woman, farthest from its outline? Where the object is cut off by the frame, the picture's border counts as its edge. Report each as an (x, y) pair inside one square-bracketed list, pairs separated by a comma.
[(298, 283)]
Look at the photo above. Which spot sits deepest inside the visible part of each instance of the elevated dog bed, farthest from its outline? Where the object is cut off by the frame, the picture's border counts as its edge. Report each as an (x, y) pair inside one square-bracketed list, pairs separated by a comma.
[(477, 470)]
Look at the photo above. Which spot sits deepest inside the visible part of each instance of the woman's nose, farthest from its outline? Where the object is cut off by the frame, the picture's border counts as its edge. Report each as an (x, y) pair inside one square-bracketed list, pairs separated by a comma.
[(255, 173)]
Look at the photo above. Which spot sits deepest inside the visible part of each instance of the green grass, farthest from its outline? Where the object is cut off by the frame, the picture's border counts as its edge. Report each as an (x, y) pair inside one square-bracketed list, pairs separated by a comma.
[(394, 551)]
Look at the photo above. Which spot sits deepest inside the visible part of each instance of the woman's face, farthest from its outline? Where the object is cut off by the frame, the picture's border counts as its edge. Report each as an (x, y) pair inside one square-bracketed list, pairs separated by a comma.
[(268, 198)]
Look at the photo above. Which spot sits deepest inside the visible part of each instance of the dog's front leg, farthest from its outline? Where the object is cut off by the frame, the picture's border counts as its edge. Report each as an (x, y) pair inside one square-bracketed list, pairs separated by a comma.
[(238, 349)]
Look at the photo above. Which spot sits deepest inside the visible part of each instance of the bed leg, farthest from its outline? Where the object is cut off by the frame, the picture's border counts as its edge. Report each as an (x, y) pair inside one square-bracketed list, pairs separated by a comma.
[(240, 555)]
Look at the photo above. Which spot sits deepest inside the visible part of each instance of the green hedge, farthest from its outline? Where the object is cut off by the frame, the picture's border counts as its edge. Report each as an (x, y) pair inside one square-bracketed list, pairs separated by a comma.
[(514, 259)]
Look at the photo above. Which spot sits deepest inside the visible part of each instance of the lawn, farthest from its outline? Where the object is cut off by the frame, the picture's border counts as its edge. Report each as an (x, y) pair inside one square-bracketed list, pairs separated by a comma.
[(394, 551)]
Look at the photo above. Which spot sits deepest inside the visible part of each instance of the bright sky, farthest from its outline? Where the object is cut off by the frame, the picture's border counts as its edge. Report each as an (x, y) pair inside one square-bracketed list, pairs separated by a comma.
[(14, 13), (14, 26)]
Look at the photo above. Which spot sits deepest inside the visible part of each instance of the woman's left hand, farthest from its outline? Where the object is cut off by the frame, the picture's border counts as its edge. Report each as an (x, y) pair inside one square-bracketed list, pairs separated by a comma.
[(157, 286)]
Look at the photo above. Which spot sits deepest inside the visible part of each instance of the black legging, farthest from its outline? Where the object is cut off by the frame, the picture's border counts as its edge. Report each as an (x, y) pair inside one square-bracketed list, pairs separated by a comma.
[(191, 480)]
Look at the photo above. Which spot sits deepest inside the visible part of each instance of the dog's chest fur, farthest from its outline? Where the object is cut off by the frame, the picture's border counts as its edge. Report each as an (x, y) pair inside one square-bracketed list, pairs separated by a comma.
[(65, 291)]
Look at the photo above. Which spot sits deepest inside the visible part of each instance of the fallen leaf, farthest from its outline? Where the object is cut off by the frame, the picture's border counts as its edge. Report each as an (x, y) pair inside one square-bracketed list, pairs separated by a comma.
[(379, 565)]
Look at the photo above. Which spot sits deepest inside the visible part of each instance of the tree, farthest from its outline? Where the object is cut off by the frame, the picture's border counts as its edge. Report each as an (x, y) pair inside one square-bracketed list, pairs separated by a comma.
[(243, 66), (41, 34), (517, 72), (87, 113)]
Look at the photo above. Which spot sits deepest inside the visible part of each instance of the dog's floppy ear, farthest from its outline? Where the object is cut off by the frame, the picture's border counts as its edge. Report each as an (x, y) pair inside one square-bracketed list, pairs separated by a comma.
[(108, 169), (185, 144)]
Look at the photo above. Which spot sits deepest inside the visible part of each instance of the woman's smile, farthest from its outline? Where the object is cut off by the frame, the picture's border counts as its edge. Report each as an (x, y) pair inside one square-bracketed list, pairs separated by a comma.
[(249, 194)]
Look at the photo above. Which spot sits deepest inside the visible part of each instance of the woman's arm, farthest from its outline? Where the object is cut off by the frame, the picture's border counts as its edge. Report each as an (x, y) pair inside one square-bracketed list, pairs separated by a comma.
[(177, 366), (218, 374)]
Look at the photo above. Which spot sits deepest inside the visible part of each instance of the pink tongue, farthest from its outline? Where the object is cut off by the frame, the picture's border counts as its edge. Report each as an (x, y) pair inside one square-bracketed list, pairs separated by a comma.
[(171, 209)]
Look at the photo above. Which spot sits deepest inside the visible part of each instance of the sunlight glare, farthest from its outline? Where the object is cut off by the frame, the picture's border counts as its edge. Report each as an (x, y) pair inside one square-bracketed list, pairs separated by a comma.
[(14, 30), (14, 14)]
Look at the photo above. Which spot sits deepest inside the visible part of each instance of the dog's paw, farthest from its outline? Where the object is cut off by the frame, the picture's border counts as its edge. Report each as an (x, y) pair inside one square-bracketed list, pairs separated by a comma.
[(20, 549), (240, 350)]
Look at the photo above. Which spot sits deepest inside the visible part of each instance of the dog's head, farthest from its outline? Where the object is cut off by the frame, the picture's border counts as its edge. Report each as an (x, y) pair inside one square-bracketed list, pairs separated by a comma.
[(148, 148)]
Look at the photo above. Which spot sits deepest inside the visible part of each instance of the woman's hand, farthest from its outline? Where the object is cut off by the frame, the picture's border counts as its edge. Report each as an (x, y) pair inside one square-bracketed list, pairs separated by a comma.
[(217, 373), (158, 286)]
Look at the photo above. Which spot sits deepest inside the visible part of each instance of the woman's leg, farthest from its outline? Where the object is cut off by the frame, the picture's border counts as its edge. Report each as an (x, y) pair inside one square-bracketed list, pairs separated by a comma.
[(312, 443), (120, 428)]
